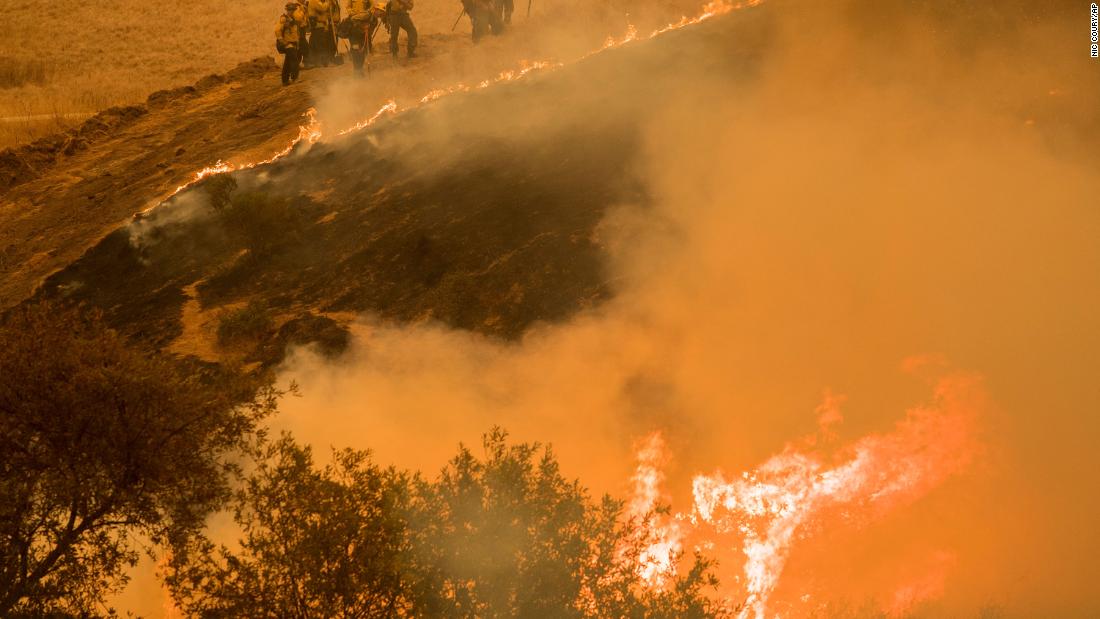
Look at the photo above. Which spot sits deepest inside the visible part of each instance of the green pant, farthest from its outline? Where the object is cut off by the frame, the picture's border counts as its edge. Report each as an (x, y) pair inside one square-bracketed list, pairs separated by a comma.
[(402, 21)]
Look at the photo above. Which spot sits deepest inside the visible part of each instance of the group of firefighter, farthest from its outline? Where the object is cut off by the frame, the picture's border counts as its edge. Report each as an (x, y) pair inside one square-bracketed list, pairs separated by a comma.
[(309, 31)]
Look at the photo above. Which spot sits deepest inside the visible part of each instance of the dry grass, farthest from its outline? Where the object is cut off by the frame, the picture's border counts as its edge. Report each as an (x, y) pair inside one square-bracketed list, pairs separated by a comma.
[(79, 57), (70, 59), (15, 72)]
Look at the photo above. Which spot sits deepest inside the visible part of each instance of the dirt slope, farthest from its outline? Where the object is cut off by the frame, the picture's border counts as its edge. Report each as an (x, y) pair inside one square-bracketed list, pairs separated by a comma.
[(479, 210), (61, 194)]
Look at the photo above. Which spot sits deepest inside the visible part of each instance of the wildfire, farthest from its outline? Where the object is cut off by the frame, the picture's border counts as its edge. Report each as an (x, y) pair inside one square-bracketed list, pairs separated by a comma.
[(762, 513), (310, 132), (656, 559), (390, 107), (631, 34)]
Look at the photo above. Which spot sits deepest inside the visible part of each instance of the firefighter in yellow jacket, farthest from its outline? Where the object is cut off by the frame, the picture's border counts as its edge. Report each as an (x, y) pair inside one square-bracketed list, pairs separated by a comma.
[(399, 19), (485, 17), (288, 38), (301, 16), (323, 16), (354, 28), (378, 9)]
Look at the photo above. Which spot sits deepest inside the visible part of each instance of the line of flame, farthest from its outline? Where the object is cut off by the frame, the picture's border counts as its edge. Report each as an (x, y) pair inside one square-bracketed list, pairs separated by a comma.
[(310, 132)]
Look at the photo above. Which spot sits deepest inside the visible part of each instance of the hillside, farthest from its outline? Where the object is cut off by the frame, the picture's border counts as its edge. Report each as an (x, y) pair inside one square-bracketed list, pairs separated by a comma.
[(65, 191), (476, 210), (809, 284), (126, 50)]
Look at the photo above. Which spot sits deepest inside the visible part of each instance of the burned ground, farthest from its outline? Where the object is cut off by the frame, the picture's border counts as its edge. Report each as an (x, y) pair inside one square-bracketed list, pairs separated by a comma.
[(60, 195), (478, 211)]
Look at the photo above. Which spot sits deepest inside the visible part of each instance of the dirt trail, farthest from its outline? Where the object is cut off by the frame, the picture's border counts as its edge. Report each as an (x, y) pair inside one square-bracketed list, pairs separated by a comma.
[(33, 117)]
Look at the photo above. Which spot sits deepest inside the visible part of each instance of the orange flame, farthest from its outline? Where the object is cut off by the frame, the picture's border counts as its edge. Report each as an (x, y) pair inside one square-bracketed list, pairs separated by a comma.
[(311, 131), (390, 107), (656, 559), (763, 512)]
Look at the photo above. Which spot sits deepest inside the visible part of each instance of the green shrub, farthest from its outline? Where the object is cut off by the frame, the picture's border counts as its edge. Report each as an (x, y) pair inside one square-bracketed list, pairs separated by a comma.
[(220, 188), (262, 222), (248, 323)]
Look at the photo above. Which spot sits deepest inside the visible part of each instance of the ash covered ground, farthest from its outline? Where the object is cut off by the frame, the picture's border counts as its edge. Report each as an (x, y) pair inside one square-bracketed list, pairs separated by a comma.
[(479, 210)]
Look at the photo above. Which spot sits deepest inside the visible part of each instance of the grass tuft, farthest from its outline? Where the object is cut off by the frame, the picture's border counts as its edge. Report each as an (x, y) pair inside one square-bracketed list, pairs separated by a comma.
[(16, 72)]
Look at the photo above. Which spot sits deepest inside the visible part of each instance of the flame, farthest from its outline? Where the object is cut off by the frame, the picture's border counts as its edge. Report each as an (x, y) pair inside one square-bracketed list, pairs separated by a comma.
[(763, 512), (311, 133), (631, 34), (168, 602), (655, 561), (390, 107)]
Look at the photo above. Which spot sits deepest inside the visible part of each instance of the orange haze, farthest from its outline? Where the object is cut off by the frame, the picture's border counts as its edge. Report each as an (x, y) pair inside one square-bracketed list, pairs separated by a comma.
[(892, 186)]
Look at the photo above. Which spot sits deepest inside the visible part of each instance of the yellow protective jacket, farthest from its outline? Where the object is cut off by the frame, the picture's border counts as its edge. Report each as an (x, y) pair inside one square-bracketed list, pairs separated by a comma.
[(301, 15), (288, 31), (358, 9), (321, 11), (401, 6)]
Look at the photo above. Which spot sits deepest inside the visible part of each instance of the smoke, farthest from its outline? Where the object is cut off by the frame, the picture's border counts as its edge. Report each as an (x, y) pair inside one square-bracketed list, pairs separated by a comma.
[(884, 180), (894, 181)]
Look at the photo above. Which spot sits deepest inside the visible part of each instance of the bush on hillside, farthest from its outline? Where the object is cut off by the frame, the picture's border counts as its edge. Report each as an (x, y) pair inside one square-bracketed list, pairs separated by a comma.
[(244, 324)]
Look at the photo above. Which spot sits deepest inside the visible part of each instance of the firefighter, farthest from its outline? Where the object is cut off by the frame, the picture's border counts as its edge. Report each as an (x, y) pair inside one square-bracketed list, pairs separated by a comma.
[(399, 19), (505, 7), (485, 17), (355, 28), (288, 41), (377, 18), (301, 15), (323, 16)]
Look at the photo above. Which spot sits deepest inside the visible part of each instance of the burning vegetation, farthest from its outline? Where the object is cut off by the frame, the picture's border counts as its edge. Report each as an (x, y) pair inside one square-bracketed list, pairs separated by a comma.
[(759, 516), (648, 270)]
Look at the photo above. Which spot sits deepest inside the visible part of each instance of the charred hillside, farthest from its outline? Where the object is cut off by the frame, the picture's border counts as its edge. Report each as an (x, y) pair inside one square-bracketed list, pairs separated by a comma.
[(479, 210)]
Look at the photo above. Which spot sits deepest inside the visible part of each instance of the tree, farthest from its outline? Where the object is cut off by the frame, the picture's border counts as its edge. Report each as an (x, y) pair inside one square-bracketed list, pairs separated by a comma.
[(103, 442), (507, 535), (315, 542), (504, 535)]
